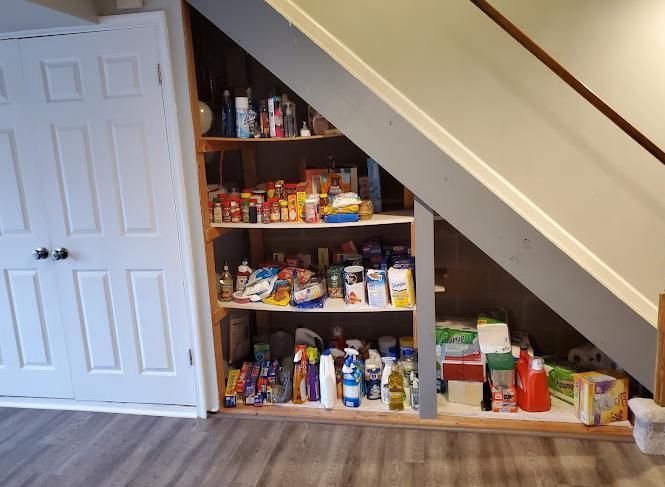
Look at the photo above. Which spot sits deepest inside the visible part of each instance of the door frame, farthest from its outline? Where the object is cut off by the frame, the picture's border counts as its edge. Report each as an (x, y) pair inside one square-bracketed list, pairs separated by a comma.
[(157, 20)]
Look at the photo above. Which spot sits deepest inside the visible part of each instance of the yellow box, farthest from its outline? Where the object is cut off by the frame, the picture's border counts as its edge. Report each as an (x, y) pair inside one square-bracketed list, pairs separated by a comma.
[(600, 397), (230, 395), (402, 292)]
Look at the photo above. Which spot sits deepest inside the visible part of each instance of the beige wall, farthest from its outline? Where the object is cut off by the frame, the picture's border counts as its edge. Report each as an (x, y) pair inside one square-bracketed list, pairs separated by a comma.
[(517, 128)]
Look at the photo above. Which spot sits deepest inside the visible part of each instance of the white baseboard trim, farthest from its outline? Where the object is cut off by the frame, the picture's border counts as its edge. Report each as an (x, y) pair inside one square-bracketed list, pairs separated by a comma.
[(99, 406)]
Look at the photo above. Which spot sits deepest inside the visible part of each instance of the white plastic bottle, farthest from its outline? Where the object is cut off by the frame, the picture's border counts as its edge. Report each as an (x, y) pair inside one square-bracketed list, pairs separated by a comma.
[(244, 271), (327, 380), (387, 369)]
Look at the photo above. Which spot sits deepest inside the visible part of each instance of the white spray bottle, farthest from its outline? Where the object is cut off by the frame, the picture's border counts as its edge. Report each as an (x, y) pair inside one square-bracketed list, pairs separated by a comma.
[(327, 380), (351, 389)]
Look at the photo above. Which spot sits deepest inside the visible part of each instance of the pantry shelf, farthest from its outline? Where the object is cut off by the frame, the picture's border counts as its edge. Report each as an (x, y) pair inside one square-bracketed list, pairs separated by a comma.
[(330, 306), (214, 144), (391, 218)]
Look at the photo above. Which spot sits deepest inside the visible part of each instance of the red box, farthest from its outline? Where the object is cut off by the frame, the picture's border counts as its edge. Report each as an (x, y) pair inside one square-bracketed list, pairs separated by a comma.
[(469, 368), (504, 399)]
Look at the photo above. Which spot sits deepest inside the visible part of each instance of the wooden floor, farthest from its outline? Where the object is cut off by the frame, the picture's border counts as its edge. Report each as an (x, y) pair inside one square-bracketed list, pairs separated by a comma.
[(53, 448)]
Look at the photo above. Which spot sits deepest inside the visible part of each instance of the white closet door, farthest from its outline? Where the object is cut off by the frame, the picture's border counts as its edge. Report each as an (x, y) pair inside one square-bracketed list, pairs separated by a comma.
[(33, 356), (99, 121)]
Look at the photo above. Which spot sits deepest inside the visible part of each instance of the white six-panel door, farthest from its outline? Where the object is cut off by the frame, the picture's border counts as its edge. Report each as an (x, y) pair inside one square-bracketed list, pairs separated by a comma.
[(33, 356), (98, 135)]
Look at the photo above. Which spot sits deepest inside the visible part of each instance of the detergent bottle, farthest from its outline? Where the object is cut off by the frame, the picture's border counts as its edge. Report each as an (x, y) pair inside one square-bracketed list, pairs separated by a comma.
[(521, 369), (351, 388), (387, 369), (313, 391), (327, 380), (536, 395), (300, 374)]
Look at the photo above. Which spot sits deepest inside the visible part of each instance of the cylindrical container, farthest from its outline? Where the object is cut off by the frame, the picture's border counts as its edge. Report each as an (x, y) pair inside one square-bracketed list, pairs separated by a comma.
[(354, 285), (405, 346), (259, 195), (388, 346), (265, 212), (264, 119), (244, 201), (242, 118), (252, 211), (226, 211), (217, 212), (236, 212), (274, 210), (283, 211), (312, 209)]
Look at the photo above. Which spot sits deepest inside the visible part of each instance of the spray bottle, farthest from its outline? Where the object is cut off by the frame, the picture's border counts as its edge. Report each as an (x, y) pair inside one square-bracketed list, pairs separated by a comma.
[(300, 374), (313, 391), (373, 375), (387, 369), (351, 389)]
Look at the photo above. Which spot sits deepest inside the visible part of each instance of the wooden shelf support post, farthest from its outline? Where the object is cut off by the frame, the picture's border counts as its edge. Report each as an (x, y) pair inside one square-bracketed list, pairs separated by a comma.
[(659, 386), (424, 242)]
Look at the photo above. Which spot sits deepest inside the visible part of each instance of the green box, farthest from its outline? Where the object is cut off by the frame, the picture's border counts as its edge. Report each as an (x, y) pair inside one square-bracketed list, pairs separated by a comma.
[(560, 380)]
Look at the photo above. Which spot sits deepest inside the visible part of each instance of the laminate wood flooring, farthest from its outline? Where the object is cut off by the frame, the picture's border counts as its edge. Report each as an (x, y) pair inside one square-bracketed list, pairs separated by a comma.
[(61, 448)]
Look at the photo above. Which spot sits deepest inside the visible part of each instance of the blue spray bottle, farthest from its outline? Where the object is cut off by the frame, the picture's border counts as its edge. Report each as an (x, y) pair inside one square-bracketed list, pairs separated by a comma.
[(352, 377)]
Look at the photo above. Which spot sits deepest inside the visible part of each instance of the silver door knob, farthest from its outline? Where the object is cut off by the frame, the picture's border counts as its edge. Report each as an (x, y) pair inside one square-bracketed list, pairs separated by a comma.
[(60, 253), (40, 253)]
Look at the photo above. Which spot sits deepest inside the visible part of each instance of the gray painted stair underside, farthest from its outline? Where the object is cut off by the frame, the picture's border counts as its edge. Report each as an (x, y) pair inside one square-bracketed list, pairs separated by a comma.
[(439, 182)]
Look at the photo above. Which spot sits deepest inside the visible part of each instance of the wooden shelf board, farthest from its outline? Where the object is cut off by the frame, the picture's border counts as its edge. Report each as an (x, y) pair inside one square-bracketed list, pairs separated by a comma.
[(374, 413), (389, 218), (330, 306), (218, 314), (212, 233), (214, 144)]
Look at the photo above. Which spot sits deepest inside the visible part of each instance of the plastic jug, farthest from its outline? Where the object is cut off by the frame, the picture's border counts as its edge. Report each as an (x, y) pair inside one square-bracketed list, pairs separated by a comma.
[(327, 380), (536, 395), (522, 369), (305, 336)]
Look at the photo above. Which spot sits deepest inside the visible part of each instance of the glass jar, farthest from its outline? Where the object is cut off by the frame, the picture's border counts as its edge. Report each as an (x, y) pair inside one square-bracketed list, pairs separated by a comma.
[(283, 211), (226, 211), (280, 194), (236, 212), (211, 212), (274, 211), (311, 213), (244, 199), (260, 196), (265, 212), (253, 218), (217, 212), (323, 201)]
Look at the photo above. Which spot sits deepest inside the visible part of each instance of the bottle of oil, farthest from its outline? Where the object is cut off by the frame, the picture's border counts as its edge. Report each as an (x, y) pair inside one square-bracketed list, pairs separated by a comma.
[(396, 388), (226, 282)]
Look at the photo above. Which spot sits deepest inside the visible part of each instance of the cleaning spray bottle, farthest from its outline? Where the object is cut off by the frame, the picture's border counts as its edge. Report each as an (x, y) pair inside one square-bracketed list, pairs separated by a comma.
[(300, 374), (327, 380), (313, 391), (387, 369), (351, 389)]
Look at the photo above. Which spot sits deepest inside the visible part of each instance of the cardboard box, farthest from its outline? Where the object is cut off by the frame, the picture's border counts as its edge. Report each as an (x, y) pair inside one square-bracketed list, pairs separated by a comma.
[(560, 378), (504, 399), (465, 392), (230, 394), (469, 368), (600, 397)]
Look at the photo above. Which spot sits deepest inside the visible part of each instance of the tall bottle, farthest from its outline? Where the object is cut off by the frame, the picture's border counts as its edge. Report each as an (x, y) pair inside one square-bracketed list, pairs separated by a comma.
[(226, 282), (396, 388), (351, 387), (327, 380), (228, 116), (385, 376), (522, 370), (253, 115), (289, 115), (244, 270)]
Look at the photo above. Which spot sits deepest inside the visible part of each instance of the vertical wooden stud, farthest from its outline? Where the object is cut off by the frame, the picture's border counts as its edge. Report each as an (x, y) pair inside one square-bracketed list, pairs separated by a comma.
[(408, 199), (659, 386)]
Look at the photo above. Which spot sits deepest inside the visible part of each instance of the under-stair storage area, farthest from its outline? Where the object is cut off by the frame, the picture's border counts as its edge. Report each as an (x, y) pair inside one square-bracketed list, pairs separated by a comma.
[(336, 295)]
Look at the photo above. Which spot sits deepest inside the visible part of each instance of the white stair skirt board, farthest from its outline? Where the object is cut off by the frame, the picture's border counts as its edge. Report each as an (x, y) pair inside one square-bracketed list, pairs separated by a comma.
[(174, 411), (441, 183)]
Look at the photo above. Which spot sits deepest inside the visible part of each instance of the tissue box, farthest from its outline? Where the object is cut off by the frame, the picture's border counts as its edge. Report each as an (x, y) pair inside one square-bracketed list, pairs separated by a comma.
[(465, 392), (600, 397)]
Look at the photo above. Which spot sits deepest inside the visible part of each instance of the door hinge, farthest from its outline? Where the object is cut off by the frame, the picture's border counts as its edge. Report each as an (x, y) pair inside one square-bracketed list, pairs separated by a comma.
[(159, 73), (191, 357)]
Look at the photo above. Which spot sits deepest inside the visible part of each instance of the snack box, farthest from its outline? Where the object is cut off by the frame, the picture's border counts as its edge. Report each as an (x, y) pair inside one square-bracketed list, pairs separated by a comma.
[(230, 394), (377, 288), (600, 397), (402, 292)]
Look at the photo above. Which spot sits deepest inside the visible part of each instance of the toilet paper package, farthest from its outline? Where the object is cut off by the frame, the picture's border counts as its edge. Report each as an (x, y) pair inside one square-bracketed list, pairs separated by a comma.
[(601, 397)]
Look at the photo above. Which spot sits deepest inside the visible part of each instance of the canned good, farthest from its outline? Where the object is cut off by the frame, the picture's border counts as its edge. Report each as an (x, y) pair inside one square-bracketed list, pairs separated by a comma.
[(354, 285)]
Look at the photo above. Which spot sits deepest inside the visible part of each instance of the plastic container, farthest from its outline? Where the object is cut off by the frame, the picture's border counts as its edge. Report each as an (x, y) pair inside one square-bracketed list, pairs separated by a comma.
[(385, 375), (242, 117), (352, 378), (405, 346), (244, 270), (327, 380), (388, 346), (535, 396)]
